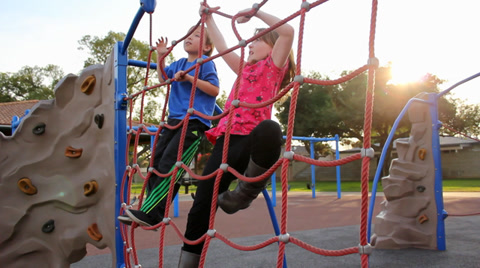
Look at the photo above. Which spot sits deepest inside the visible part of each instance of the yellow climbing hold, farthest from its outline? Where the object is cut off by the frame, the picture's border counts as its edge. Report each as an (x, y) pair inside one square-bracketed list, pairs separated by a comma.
[(88, 84), (90, 188), (94, 232), (422, 153), (73, 152), (26, 186)]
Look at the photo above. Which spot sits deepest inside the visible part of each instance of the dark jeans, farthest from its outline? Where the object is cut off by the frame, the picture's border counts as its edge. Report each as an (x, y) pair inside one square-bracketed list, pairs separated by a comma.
[(263, 145), (165, 157)]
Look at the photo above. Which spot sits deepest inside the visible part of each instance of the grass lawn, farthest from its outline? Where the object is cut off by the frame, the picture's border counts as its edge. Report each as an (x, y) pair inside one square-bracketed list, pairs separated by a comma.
[(454, 185)]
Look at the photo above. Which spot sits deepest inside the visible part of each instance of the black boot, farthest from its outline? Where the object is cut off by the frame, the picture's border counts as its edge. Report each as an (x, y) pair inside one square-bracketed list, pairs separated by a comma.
[(245, 192), (188, 260)]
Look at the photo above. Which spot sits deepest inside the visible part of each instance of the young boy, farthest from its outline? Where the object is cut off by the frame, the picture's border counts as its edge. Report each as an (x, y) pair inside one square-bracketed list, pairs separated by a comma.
[(166, 150)]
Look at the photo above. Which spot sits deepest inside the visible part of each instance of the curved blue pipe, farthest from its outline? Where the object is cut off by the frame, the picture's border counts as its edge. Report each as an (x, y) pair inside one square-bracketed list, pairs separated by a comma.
[(382, 160)]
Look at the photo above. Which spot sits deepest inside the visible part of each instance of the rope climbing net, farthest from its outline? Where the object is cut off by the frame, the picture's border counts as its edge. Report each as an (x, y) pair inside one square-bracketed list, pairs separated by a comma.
[(133, 135)]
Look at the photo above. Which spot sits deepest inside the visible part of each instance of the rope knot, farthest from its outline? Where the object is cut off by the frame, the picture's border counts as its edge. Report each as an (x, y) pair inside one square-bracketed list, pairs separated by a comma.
[(211, 232), (369, 152), (285, 238), (367, 249), (306, 6)]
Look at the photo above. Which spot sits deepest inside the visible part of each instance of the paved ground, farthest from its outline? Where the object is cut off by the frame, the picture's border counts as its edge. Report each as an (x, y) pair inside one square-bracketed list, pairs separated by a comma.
[(324, 222)]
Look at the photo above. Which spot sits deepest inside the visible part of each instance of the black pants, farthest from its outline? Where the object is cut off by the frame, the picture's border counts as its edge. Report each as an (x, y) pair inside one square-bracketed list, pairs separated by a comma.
[(263, 145), (165, 157)]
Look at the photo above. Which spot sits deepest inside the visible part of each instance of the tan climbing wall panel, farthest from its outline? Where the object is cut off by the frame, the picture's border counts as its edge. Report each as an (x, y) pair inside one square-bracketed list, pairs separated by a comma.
[(57, 178), (409, 216)]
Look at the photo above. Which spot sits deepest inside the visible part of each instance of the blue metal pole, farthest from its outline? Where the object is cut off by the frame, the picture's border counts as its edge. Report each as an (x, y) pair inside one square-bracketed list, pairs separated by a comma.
[(337, 156), (312, 167), (273, 217), (145, 6), (274, 190), (441, 214), (175, 206), (120, 146), (131, 31)]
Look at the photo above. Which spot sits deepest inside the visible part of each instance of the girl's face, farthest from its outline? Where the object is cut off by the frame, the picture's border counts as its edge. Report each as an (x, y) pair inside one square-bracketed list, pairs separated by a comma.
[(258, 50)]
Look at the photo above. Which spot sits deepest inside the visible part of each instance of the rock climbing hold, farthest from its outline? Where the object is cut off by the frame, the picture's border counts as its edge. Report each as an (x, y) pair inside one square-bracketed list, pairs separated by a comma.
[(88, 85), (39, 129), (73, 152), (422, 219), (99, 120), (422, 153), (90, 188), (48, 227), (26, 186), (421, 188), (94, 233)]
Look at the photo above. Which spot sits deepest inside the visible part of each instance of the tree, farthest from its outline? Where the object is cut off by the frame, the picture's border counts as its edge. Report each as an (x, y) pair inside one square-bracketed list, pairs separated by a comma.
[(323, 111), (29, 83), (100, 48)]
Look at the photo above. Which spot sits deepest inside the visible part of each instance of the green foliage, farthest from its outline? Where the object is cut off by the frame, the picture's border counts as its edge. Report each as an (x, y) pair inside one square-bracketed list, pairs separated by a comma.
[(100, 48), (29, 83), (323, 111), (453, 185)]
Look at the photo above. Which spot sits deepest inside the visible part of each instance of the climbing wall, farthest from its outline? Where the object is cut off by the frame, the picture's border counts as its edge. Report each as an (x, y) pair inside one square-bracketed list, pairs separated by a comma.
[(408, 216), (57, 179)]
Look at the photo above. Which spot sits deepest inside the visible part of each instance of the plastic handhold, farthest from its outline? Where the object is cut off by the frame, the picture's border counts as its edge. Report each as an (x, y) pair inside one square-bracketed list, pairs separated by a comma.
[(90, 188), (26, 186), (422, 219), (422, 153), (73, 152), (421, 188), (94, 232), (88, 85), (99, 118), (48, 227), (39, 129)]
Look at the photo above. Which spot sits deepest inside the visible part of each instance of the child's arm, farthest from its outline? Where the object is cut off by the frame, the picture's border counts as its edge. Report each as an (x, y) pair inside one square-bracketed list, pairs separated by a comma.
[(283, 45), (232, 59), (203, 85), (161, 51)]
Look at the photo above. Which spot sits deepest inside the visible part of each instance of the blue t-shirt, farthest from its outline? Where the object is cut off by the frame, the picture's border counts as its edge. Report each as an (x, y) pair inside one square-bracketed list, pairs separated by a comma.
[(180, 91)]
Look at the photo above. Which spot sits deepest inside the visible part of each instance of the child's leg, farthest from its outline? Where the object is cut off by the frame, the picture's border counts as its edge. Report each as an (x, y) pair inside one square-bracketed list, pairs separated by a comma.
[(153, 208), (199, 215), (266, 142)]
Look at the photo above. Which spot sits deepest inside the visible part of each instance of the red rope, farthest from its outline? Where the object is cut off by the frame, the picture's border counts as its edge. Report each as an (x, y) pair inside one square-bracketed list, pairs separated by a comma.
[(294, 87)]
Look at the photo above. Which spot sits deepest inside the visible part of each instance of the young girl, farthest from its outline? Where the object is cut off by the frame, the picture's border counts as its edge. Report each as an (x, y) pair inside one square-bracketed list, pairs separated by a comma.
[(255, 141)]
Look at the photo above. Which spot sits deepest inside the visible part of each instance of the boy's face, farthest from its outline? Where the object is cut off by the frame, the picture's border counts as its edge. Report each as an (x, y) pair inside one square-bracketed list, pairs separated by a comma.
[(192, 42)]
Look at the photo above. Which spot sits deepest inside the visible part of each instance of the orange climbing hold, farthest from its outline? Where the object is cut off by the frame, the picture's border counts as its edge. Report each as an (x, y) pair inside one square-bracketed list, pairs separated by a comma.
[(94, 233), (90, 188), (26, 186), (422, 153), (73, 152), (88, 84), (422, 219)]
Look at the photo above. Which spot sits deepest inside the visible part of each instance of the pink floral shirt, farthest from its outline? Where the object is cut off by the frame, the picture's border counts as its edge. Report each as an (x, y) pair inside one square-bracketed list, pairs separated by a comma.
[(259, 82)]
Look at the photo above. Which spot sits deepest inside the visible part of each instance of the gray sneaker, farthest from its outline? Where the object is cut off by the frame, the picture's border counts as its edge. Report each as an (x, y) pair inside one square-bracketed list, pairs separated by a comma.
[(125, 219)]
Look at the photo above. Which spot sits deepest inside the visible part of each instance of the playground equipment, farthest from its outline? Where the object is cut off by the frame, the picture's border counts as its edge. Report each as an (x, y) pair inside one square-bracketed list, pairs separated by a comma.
[(57, 171), (57, 178), (413, 213)]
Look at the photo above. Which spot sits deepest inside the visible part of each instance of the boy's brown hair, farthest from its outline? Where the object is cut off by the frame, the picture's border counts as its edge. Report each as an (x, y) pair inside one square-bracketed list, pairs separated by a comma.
[(206, 39)]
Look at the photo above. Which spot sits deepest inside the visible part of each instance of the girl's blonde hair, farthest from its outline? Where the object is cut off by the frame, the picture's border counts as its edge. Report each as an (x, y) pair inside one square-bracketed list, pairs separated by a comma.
[(270, 38)]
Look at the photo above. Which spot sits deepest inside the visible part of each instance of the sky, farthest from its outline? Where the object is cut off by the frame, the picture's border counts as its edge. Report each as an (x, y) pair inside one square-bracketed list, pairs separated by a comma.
[(416, 37)]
